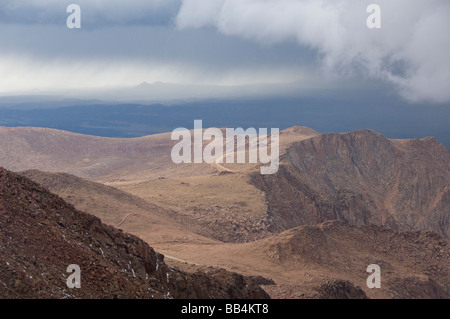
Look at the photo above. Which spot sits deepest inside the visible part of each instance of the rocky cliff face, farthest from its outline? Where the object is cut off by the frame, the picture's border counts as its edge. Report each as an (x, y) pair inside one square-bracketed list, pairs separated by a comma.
[(41, 235), (362, 178)]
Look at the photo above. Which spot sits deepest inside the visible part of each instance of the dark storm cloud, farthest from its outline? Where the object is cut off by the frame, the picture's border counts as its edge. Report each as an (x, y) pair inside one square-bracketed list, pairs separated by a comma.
[(96, 13), (135, 32), (140, 43), (410, 50)]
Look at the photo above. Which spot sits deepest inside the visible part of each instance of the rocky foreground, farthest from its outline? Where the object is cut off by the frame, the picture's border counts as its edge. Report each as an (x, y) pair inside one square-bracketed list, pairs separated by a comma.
[(41, 235)]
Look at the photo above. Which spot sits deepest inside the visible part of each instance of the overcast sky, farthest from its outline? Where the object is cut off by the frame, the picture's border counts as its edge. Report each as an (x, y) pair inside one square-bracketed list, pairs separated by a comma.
[(294, 45)]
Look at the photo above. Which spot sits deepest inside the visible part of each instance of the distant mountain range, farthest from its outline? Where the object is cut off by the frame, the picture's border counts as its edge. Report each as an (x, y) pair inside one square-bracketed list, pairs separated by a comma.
[(392, 118)]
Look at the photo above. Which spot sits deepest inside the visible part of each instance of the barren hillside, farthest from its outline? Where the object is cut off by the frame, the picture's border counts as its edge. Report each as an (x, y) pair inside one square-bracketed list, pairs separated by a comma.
[(92, 157), (41, 235), (338, 203), (359, 177), (331, 258), (120, 209)]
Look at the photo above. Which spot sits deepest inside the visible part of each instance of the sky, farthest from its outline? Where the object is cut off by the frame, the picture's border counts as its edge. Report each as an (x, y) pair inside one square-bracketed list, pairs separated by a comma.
[(277, 46)]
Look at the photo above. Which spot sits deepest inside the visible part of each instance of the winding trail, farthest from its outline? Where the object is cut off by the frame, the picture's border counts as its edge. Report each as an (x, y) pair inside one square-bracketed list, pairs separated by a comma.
[(179, 260), (123, 220), (220, 167)]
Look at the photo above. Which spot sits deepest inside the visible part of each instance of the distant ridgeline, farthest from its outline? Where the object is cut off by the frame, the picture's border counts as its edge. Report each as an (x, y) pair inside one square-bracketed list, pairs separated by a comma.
[(394, 119)]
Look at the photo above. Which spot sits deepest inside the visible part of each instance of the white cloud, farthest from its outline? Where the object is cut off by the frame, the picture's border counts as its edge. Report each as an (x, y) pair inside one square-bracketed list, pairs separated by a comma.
[(411, 49)]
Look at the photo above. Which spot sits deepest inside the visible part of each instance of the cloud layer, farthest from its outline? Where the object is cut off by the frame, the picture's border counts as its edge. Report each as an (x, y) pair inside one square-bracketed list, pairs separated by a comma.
[(312, 43), (411, 49)]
